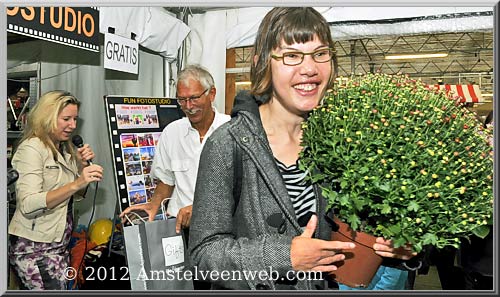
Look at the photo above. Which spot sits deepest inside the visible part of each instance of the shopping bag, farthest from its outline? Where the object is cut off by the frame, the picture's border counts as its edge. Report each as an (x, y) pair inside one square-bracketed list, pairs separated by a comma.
[(157, 256)]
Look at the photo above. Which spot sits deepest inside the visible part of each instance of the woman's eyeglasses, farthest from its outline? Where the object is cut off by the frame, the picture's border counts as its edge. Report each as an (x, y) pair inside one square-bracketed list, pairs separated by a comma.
[(193, 99), (295, 58)]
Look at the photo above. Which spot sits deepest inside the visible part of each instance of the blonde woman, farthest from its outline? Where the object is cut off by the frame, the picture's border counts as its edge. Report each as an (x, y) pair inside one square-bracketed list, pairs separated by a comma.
[(51, 172)]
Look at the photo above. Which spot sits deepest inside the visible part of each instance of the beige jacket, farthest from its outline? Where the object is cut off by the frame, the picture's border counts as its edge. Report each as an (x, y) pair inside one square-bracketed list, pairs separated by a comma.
[(39, 173)]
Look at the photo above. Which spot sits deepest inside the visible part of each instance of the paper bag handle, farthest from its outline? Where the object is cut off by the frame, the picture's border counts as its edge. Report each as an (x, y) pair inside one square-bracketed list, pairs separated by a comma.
[(137, 215), (163, 210)]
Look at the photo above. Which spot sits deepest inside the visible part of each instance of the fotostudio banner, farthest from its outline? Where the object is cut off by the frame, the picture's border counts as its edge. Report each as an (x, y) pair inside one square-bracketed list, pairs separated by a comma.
[(73, 26)]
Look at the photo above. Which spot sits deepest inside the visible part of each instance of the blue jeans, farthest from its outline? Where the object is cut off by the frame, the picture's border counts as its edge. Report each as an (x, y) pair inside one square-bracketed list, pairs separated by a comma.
[(386, 278)]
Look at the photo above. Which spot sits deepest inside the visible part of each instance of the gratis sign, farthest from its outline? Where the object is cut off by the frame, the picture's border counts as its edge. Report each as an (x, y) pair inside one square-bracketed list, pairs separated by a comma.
[(121, 53)]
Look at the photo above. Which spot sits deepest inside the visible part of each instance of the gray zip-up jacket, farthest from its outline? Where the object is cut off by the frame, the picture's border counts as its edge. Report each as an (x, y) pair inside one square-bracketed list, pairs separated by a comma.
[(237, 251)]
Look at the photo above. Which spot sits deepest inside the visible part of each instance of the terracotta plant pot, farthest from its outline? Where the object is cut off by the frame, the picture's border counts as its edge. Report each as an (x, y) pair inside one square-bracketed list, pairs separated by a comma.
[(361, 263)]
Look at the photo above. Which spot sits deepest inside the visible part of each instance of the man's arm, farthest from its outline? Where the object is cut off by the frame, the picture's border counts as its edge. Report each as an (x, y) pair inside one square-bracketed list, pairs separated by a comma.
[(161, 192)]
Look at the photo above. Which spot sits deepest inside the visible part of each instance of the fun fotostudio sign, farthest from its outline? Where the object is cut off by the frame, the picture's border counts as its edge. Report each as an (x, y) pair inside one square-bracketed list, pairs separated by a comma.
[(73, 26)]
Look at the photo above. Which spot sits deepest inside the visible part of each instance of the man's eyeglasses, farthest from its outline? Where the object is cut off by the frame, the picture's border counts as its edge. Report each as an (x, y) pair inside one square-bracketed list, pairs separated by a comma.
[(295, 58), (193, 99)]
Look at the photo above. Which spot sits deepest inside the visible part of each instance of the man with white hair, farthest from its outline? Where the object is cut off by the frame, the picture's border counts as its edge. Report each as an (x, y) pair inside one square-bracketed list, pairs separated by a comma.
[(175, 164)]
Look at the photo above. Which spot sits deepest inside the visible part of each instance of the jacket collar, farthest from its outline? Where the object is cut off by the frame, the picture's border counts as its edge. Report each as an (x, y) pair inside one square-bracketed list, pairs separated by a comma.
[(64, 159), (189, 127), (244, 101), (249, 134)]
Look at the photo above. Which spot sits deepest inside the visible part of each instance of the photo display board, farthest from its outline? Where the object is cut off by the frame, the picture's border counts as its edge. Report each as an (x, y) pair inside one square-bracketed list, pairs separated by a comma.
[(134, 127)]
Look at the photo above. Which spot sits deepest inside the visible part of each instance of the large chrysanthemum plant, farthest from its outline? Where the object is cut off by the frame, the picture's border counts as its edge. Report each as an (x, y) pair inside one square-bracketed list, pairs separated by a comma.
[(398, 159)]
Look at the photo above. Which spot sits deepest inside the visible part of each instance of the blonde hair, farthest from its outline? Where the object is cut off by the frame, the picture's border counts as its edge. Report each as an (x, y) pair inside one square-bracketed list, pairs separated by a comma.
[(42, 119)]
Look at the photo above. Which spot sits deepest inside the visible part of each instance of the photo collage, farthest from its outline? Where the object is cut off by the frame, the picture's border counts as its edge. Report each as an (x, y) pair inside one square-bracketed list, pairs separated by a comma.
[(136, 116), (135, 125), (138, 153)]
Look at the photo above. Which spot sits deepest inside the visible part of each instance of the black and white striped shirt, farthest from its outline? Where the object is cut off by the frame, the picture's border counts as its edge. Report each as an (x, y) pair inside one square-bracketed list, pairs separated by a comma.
[(300, 191)]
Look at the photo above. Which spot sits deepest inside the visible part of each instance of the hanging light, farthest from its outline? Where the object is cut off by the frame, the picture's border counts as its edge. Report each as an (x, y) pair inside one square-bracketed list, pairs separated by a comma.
[(415, 56)]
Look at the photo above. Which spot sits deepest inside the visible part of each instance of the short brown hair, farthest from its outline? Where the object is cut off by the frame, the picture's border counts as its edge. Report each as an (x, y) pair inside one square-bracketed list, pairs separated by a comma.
[(292, 25)]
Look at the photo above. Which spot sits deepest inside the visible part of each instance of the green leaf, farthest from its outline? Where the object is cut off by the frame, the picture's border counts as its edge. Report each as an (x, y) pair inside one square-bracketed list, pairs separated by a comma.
[(429, 238), (481, 231), (359, 204), (363, 170), (354, 221), (385, 187), (316, 177), (386, 209), (413, 206), (398, 242), (344, 199), (394, 229)]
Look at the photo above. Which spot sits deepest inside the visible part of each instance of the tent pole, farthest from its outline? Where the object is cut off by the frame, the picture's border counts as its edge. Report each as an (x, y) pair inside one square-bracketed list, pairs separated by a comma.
[(166, 75)]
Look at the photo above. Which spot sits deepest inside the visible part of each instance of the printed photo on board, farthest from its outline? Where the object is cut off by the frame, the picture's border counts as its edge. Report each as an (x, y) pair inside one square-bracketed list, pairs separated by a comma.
[(136, 116), (137, 197), (129, 140)]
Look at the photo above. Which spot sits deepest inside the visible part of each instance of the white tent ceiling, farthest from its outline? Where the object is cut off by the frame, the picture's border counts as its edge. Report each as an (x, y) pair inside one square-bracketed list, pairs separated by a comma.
[(358, 22)]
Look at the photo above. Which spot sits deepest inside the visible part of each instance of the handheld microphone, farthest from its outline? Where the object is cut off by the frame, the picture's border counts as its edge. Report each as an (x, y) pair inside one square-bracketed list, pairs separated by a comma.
[(78, 142)]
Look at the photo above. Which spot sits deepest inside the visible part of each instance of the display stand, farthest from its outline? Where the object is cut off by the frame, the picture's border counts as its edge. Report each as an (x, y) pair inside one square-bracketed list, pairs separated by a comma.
[(134, 127)]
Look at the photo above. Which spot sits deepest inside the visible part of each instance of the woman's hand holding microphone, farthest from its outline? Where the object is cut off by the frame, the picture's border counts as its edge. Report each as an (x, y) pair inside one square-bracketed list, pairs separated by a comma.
[(90, 172)]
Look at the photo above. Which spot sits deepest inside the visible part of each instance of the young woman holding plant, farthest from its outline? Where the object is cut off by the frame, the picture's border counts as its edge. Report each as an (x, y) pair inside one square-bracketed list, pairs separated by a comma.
[(276, 223)]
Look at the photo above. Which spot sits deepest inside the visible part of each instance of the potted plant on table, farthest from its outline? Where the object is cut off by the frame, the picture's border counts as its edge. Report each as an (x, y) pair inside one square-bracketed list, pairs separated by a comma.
[(401, 160)]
